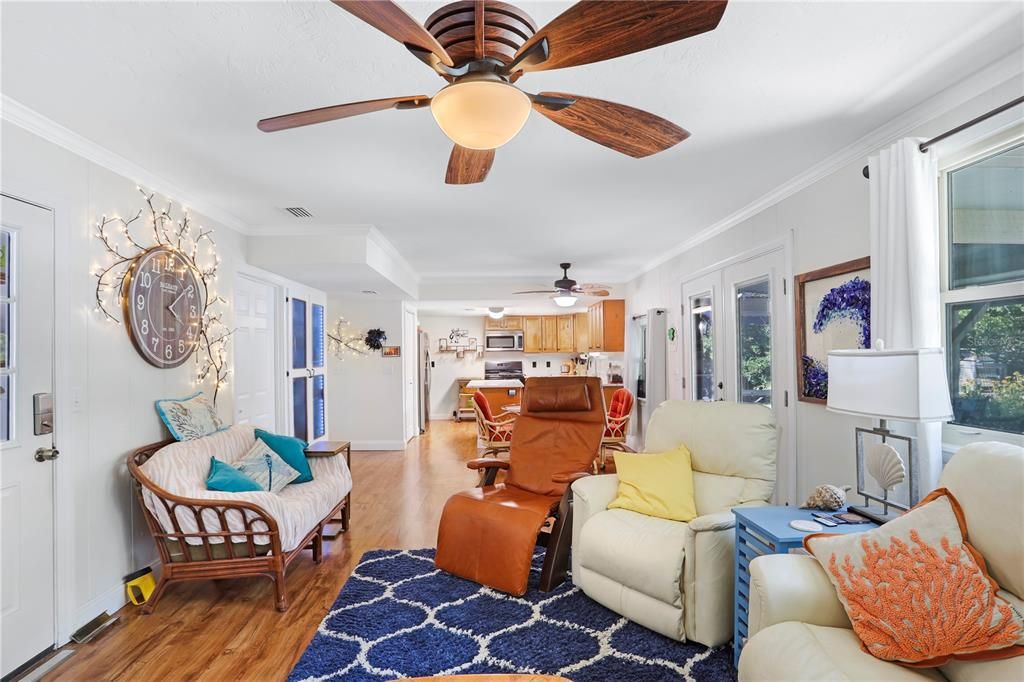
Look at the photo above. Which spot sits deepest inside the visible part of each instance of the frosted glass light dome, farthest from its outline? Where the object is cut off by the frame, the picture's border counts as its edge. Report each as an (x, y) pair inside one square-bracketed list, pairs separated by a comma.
[(480, 114)]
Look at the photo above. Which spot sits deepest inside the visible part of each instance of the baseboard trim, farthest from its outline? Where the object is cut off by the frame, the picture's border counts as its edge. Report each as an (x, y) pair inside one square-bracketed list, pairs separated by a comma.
[(378, 445), (110, 600)]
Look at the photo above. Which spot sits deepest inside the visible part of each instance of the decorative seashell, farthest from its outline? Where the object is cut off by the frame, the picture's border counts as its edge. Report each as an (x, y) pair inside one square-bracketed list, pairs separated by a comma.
[(827, 497), (885, 465)]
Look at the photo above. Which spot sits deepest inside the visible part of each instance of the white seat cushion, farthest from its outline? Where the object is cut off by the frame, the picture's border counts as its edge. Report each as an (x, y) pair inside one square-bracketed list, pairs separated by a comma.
[(182, 468), (644, 553), (798, 651)]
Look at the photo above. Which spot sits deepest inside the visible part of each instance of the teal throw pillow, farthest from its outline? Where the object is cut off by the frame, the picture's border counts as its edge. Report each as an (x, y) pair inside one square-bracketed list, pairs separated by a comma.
[(227, 479), (291, 450), (266, 467)]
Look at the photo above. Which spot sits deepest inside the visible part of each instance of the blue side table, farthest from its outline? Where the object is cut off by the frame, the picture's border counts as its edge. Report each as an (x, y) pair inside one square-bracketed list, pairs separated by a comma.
[(766, 530)]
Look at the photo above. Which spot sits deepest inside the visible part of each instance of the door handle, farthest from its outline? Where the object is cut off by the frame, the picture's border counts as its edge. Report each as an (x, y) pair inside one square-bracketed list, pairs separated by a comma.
[(43, 454)]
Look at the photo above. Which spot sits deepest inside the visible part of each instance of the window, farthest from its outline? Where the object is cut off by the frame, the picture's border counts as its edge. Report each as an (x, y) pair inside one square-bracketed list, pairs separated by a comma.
[(983, 292), (8, 310)]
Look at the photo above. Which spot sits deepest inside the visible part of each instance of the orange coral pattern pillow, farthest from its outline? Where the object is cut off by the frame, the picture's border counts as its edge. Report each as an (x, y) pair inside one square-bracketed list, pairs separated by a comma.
[(917, 592)]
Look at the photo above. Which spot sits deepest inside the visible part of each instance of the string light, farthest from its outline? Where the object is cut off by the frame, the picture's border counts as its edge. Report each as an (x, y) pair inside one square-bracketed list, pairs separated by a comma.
[(214, 335)]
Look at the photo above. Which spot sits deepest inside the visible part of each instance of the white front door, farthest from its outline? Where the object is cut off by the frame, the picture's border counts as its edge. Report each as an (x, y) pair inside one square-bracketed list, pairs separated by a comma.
[(26, 381), (737, 341), (255, 378)]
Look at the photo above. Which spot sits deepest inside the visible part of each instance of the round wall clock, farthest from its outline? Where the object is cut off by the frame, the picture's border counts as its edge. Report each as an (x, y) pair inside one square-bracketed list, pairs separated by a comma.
[(163, 307)]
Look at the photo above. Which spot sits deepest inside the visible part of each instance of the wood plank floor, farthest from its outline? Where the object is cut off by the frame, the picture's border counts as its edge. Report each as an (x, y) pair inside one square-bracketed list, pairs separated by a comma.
[(229, 629)]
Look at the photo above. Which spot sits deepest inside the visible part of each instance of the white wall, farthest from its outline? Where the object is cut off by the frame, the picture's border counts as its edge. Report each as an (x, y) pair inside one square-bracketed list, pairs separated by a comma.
[(829, 221), (448, 368), (364, 394), (114, 388)]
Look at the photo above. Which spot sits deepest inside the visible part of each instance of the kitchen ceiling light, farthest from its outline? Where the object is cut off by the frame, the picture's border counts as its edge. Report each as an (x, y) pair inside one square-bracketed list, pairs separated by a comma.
[(496, 313), (482, 113), (564, 300)]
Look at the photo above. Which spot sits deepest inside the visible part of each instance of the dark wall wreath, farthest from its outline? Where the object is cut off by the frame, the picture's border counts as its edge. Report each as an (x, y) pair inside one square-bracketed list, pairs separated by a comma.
[(375, 339)]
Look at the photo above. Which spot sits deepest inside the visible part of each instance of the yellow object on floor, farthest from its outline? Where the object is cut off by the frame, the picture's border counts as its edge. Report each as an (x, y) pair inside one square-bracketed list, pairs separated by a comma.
[(139, 586)]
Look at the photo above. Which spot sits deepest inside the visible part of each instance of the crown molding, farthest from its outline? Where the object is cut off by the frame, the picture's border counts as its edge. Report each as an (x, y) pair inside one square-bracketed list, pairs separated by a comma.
[(1000, 71), (15, 112)]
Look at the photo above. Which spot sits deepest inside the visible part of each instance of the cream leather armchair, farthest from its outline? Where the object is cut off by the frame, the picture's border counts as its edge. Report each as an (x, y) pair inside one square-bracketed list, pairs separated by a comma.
[(799, 629), (677, 578)]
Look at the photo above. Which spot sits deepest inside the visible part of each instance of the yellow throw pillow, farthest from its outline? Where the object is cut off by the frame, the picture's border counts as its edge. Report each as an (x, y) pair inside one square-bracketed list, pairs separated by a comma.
[(656, 484)]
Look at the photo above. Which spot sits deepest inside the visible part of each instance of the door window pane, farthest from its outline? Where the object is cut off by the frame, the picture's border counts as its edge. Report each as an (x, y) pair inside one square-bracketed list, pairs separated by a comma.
[(8, 308), (985, 351), (319, 407), (299, 407), (986, 218), (754, 343), (298, 333), (318, 335), (702, 318)]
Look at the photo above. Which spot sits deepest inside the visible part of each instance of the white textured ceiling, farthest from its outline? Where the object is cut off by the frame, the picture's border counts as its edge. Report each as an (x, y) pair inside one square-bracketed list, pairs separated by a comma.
[(178, 88)]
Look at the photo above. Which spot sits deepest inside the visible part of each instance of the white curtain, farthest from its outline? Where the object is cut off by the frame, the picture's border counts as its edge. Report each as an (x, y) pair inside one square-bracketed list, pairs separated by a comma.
[(905, 303)]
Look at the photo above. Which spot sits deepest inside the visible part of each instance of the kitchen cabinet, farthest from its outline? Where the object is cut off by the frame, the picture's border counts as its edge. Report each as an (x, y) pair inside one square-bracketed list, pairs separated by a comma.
[(533, 334), (549, 334), (581, 332), (512, 322), (566, 341), (497, 398), (607, 326)]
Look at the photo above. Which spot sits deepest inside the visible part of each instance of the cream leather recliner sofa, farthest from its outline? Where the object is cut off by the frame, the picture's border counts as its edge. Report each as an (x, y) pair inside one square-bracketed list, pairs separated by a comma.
[(799, 629), (677, 578)]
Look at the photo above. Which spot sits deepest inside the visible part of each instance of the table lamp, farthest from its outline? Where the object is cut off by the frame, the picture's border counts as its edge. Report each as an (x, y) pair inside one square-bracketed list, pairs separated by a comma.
[(903, 385)]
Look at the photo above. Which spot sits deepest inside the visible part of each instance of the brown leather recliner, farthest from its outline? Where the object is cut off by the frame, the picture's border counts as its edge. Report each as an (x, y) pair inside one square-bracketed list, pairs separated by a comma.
[(488, 534)]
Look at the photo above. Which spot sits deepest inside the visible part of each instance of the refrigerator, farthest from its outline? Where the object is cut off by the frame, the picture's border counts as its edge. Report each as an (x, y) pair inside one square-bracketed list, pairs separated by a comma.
[(423, 349)]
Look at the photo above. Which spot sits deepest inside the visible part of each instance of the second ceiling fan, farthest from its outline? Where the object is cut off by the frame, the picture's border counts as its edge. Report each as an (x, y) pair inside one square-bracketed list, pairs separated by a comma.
[(482, 49)]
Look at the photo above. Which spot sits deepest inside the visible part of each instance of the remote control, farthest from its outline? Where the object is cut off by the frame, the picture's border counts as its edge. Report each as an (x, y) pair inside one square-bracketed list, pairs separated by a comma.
[(825, 521)]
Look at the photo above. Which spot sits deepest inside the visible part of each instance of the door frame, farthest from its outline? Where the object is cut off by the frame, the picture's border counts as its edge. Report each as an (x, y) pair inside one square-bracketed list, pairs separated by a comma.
[(785, 490), (280, 335), (63, 485), (410, 358)]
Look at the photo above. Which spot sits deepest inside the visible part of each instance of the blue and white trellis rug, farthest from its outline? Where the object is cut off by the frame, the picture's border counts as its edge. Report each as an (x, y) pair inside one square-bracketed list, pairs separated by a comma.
[(398, 616)]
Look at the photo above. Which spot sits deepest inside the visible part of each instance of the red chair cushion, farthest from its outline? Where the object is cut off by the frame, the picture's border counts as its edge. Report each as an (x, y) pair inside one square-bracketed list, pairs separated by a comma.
[(622, 405), (485, 407)]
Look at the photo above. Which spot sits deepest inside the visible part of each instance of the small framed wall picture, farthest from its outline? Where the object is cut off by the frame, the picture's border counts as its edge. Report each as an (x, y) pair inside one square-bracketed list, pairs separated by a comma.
[(391, 351), (442, 345)]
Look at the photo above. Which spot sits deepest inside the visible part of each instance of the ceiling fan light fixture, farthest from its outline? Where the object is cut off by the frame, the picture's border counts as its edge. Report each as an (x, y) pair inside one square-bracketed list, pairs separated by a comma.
[(564, 300), (480, 113), (496, 313)]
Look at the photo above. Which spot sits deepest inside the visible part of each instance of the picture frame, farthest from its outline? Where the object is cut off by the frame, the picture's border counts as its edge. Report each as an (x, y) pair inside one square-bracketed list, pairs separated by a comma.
[(442, 345), (833, 312), (391, 351)]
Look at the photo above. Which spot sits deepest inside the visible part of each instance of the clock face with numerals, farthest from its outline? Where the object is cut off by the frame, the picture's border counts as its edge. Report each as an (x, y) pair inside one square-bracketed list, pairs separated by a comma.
[(163, 307)]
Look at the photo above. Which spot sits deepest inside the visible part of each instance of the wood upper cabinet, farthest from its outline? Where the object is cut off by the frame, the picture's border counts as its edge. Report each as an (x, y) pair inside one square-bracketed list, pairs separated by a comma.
[(507, 322), (549, 337), (533, 334), (607, 324), (566, 340), (581, 332)]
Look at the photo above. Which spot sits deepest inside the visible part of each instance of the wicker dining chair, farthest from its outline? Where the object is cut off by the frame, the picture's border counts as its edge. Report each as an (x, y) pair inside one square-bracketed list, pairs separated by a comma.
[(495, 432)]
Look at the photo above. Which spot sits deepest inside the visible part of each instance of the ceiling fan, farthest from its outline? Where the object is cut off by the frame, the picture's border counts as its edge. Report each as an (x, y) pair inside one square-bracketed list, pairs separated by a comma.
[(482, 47), (566, 289)]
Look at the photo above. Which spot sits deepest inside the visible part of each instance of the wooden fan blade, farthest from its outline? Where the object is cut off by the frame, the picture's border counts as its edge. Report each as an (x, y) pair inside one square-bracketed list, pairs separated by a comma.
[(593, 292), (595, 30), (545, 291), (324, 114), (625, 129), (468, 166), (392, 20)]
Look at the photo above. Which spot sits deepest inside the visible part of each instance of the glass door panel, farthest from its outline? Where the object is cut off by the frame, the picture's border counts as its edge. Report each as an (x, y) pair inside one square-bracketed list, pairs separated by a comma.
[(753, 328), (309, 397), (300, 408), (298, 333), (702, 318)]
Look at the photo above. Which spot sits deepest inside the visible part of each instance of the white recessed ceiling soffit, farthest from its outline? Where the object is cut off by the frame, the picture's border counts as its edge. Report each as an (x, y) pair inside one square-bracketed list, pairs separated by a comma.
[(482, 49)]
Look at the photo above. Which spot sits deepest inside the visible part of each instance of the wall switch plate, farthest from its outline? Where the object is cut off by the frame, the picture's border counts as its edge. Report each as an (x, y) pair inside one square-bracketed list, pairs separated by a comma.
[(548, 363), (534, 364), (432, 365)]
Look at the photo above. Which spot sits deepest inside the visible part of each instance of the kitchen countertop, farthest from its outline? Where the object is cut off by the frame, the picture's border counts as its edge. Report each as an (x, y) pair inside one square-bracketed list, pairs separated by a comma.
[(495, 383)]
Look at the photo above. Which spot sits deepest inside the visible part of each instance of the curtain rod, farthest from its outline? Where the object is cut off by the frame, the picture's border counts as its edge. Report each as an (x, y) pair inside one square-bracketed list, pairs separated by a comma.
[(960, 128)]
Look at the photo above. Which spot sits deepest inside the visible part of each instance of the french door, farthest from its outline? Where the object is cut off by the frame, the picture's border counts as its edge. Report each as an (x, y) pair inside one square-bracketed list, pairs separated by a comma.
[(736, 332), (307, 321), (27, 448)]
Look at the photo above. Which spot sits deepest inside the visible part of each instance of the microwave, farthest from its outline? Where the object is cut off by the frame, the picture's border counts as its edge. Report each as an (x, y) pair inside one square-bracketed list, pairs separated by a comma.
[(503, 340)]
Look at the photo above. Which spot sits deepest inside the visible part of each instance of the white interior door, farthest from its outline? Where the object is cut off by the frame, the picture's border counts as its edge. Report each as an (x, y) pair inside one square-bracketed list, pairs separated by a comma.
[(255, 376), (410, 374), (738, 344), (26, 485)]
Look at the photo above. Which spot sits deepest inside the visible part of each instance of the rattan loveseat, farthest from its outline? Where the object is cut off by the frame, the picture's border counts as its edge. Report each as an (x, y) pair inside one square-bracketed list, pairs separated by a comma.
[(202, 534)]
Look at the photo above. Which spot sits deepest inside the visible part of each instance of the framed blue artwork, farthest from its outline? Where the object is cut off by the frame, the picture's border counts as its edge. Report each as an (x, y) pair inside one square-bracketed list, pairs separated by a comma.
[(833, 312)]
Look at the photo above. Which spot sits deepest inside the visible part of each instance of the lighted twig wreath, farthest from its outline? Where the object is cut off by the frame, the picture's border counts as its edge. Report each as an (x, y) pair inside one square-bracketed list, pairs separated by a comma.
[(345, 343), (173, 258)]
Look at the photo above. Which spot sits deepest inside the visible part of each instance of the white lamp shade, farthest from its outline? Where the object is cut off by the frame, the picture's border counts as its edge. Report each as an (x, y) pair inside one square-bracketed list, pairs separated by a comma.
[(564, 301), (905, 385)]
